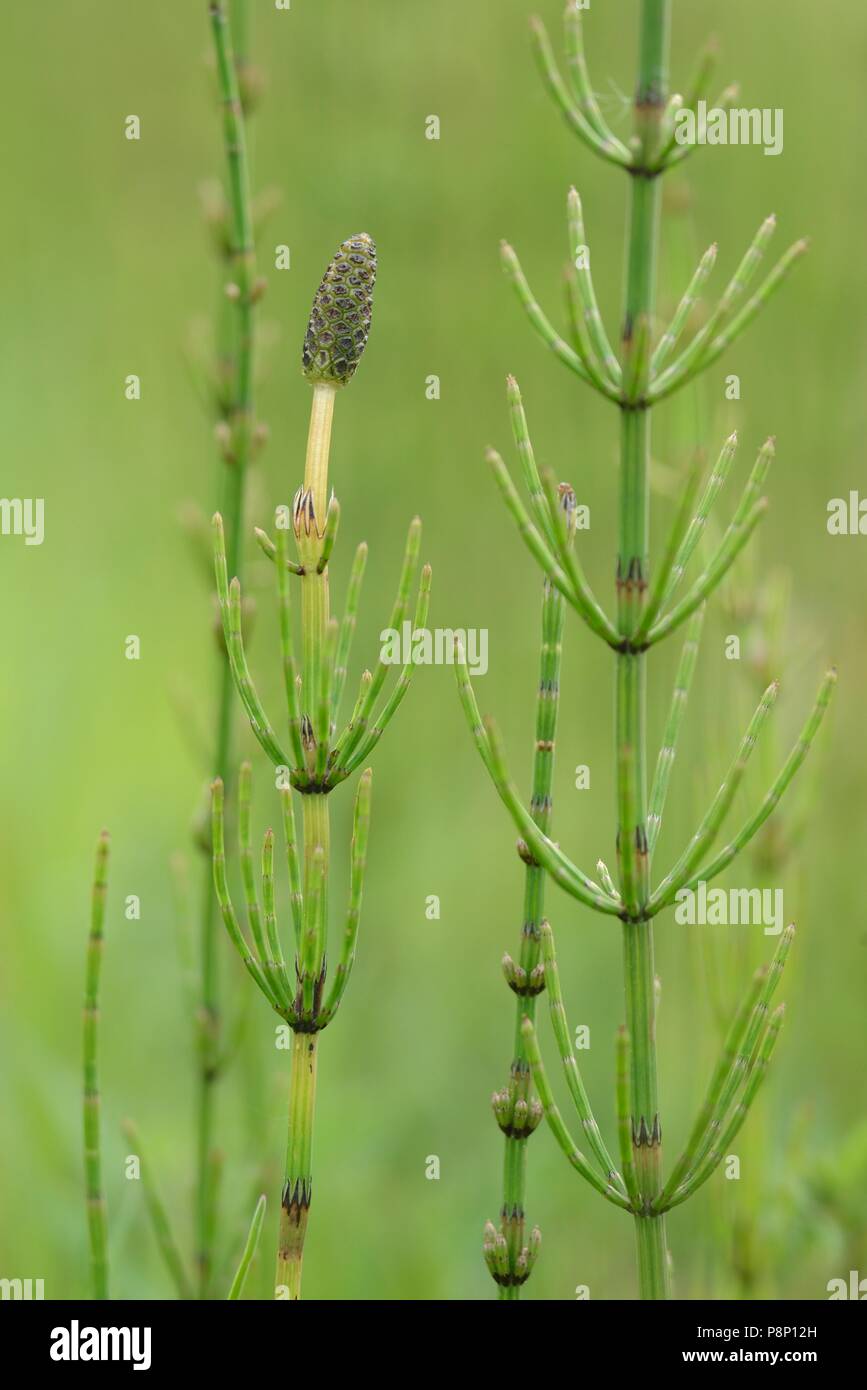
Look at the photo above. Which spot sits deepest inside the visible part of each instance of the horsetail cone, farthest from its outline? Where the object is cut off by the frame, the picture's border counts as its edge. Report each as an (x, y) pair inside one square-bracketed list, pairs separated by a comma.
[(339, 321)]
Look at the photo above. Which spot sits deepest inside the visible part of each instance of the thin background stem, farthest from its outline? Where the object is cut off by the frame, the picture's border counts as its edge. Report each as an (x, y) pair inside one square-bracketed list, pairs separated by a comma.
[(237, 350), (96, 1215)]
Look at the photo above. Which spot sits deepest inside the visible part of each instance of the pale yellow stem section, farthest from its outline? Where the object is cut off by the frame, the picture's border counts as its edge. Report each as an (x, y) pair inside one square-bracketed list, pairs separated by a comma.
[(318, 447)]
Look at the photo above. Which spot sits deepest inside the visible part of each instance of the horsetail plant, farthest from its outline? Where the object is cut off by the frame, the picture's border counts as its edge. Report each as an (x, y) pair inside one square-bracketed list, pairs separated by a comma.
[(95, 1198), (317, 758), (509, 1257), (237, 435), (648, 609), (232, 216)]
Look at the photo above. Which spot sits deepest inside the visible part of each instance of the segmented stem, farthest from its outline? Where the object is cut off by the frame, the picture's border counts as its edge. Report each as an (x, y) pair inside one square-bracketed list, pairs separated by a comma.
[(238, 417), (319, 643), (630, 686), (298, 1185), (526, 985)]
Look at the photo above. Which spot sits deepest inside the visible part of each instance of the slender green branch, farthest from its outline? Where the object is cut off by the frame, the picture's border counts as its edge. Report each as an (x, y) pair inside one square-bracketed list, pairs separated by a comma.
[(716, 812), (97, 1224), (697, 89), (576, 1086), (526, 454), (270, 959), (536, 848), (741, 321), (358, 865), (601, 361), (672, 154), (580, 78), (677, 710), (606, 880), (734, 541), (229, 596), (551, 542), (160, 1223), (253, 966), (546, 331), (781, 782), (293, 865), (676, 536), (357, 726), (672, 335), (605, 145), (717, 334), (347, 628), (561, 869), (528, 532), (741, 1050), (557, 1126), (287, 647), (561, 506), (756, 1075), (697, 526), (332, 522), (398, 694), (271, 551), (249, 1252), (272, 936), (691, 359)]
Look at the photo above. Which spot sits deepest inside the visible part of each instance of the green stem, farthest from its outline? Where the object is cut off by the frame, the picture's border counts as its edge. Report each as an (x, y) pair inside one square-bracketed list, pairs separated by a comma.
[(238, 351), (297, 1188), (310, 533), (632, 576), (512, 1217), (96, 1214)]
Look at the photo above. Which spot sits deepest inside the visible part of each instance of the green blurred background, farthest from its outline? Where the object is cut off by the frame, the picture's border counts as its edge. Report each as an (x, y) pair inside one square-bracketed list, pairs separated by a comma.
[(108, 272)]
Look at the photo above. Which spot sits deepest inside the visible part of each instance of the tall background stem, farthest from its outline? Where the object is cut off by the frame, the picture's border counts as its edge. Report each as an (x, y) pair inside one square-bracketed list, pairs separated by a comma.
[(632, 579), (96, 1213), (236, 354)]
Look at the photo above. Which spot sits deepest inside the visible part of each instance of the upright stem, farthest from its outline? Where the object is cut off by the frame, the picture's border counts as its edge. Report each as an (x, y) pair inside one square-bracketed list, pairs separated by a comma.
[(298, 1187), (239, 355), (512, 1216), (96, 1214), (632, 579)]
